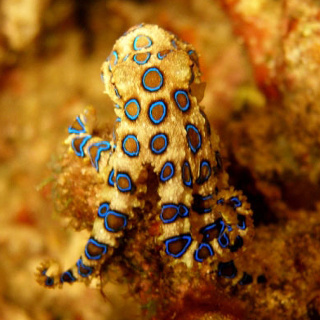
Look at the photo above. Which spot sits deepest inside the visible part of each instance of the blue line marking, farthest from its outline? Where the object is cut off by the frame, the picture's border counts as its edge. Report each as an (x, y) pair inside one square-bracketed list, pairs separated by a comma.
[(83, 129), (82, 144), (102, 146), (110, 181)]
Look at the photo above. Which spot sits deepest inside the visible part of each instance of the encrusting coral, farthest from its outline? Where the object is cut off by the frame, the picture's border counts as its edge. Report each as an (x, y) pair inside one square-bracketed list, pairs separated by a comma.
[(154, 192)]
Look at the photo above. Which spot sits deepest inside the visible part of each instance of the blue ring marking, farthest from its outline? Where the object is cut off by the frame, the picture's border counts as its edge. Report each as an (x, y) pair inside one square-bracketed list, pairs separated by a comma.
[(103, 146), (97, 244), (196, 253), (135, 101), (81, 265), (49, 281), (164, 111), (83, 129), (186, 166), (192, 127), (184, 93), (198, 200), (238, 243), (169, 205), (155, 137), (160, 57), (223, 240), (167, 164), (241, 222), (186, 237), (220, 201), (69, 275), (127, 177), (144, 61), (218, 224), (152, 89), (84, 141), (110, 181), (246, 279), (103, 209), (236, 202), (200, 179), (227, 265), (183, 210), (126, 57), (139, 48), (131, 154), (117, 214)]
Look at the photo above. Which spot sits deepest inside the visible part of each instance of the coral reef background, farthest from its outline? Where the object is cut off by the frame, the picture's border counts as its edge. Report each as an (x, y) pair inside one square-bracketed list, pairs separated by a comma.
[(260, 60)]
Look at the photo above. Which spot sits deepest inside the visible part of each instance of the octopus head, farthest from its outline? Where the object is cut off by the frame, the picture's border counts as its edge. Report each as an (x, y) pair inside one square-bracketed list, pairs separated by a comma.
[(149, 60)]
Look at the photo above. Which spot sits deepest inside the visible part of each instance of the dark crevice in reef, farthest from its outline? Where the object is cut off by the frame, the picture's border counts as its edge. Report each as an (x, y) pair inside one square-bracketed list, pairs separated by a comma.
[(242, 179)]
